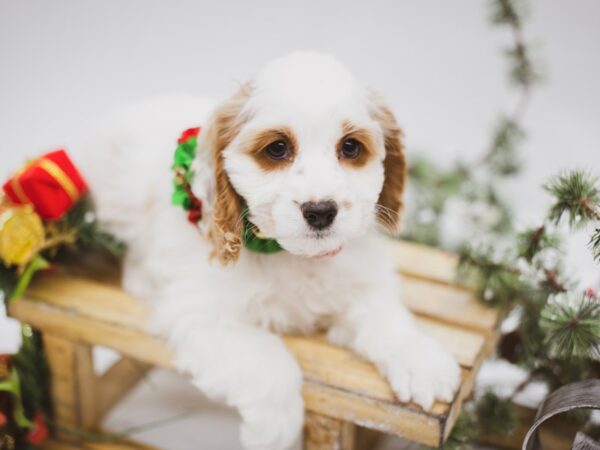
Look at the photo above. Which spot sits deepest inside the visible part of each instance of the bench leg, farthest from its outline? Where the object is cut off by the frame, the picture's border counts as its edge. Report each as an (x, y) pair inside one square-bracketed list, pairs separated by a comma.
[(325, 433), (73, 384)]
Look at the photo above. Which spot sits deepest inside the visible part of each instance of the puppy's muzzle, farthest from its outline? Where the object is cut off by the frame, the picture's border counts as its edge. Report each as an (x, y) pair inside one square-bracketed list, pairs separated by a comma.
[(319, 215)]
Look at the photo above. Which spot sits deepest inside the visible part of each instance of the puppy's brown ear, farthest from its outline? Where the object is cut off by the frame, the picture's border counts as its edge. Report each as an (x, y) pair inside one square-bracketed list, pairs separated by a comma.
[(227, 224), (390, 202)]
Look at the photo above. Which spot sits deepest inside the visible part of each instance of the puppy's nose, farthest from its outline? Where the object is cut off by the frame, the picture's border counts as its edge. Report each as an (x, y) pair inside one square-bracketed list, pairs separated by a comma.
[(319, 215)]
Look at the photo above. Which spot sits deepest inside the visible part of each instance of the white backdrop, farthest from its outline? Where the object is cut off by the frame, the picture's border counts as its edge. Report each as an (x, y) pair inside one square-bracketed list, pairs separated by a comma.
[(65, 63)]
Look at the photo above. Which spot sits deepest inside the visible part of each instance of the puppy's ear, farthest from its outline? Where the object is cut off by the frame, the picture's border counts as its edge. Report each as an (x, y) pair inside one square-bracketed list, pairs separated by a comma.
[(227, 224), (390, 202)]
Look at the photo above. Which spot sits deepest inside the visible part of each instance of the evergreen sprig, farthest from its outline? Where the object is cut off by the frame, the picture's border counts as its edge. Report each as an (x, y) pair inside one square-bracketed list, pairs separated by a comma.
[(572, 325), (494, 280), (535, 240), (507, 12), (576, 196), (503, 158)]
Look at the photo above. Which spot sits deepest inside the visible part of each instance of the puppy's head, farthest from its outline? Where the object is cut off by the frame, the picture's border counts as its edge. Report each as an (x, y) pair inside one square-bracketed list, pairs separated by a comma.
[(314, 156)]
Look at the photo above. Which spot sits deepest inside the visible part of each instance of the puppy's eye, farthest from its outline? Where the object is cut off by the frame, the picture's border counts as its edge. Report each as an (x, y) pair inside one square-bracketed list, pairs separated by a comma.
[(350, 149), (277, 150)]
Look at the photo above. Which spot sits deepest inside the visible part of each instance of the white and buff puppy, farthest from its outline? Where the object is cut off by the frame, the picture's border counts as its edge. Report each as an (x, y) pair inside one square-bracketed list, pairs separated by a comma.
[(317, 160)]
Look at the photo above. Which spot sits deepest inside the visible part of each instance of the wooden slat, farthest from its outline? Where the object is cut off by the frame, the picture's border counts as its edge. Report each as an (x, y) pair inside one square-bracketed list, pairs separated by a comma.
[(384, 416), (107, 303), (125, 444), (448, 304), (451, 304), (324, 433), (421, 261), (127, 341), (73, 295), (113, 385), (73, 381), (320, 360)]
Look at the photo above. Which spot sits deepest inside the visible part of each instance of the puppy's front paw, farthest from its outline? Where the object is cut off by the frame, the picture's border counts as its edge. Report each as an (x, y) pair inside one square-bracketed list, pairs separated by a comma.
[(423, 372), (272, 426)]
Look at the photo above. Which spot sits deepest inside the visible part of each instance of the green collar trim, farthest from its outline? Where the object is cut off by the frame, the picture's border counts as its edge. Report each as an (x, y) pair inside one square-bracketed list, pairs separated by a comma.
[(184, 197), (254, 242)]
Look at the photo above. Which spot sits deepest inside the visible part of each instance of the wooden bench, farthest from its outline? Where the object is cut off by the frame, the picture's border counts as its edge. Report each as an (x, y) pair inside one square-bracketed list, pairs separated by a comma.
[(340, 390)]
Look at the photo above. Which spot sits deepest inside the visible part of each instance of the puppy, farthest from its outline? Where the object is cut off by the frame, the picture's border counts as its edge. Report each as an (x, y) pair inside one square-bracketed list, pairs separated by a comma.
[(309, 157)]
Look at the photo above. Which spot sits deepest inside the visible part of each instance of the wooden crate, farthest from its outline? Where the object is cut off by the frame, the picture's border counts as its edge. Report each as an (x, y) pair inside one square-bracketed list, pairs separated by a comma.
[(340, 388)]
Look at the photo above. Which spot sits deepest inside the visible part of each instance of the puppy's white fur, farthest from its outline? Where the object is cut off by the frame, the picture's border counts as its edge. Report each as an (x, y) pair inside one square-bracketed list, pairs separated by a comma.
[(221, 320)]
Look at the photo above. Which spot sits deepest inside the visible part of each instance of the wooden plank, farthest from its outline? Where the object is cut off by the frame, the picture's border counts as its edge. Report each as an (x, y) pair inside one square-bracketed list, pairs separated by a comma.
[(320, 360), (451, 304), (110, 304), (60, 354), (465, 345), (86, 386), (72, 382), (324, 433), (384, 416), (117, 382), (127, 341), (421, 261), (125, 444)]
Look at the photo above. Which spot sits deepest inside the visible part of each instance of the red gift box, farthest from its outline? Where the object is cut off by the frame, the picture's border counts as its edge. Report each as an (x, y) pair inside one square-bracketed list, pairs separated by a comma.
[(50, 183)]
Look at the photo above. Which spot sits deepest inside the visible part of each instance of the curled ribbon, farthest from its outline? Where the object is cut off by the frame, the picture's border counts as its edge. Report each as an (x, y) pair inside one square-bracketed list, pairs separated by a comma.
[(582, 394)]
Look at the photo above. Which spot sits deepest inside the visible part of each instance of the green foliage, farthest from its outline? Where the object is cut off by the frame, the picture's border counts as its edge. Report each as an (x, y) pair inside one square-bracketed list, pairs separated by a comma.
[(522, 70), (495, 416), (33, 373), (576, 196), (89, 232), (533, 241), (503, 158), (507, 12), (8, 282), (571, 322), (492, 278), (432, 188), (463, 433), (489, 415)]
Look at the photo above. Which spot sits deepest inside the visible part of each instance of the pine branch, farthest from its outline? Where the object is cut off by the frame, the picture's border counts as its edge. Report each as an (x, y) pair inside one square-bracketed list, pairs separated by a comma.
[(502, 158), (572, 324), (495, 282), (532, 242), (576, 196), (552, 280), (507, 12)]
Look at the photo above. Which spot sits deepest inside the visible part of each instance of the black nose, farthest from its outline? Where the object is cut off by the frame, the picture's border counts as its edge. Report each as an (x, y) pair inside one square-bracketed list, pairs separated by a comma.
[(319, 215)]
